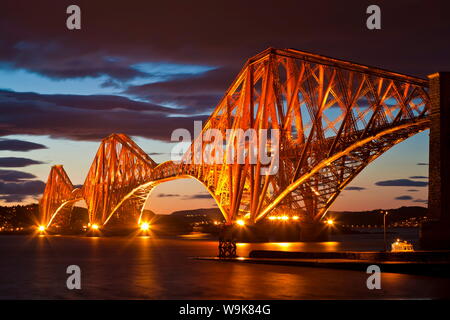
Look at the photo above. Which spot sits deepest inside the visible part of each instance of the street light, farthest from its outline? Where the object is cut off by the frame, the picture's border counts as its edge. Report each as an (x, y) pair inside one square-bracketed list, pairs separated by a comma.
[(385, 213), (145, 226)]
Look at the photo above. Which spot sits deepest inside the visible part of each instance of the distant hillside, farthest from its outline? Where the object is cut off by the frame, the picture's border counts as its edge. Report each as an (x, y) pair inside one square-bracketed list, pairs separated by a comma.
[(210, 213), (375, 217)]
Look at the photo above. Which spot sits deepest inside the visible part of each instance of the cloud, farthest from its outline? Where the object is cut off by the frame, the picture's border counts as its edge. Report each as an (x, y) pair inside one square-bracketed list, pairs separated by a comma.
[(15, 176), (16, 186), (17, 162), (420, 200), (412, 190), (355, 188), (199, 196), (19, 145), (401, 183), (196, 93), (168, 195), (404, 198), (157, 153), (422, 164), (87, 117), (418, 177), (213, 34), (18, 191)]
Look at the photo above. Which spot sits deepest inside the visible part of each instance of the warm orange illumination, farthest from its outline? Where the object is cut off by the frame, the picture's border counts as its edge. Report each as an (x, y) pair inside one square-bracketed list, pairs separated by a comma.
[(145, 226), (94, 227), (272, 218), (284, 218), (283, 244), (330, 222), (41, 228), (295, 217), (240, 222)]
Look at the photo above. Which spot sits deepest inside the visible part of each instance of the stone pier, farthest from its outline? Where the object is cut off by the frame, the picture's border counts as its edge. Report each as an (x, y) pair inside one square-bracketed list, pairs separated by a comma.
[(436, 234)]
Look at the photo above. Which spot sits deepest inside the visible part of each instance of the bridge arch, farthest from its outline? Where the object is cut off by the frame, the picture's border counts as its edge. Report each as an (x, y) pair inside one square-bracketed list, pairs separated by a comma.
[(144, 191)]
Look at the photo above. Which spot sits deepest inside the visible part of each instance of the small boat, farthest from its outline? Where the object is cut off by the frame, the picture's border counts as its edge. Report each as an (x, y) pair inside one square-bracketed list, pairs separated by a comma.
[(401, 246)]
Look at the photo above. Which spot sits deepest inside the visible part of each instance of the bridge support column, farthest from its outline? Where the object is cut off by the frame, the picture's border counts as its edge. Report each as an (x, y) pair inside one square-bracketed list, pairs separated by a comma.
[(436, 234), (227, 243)]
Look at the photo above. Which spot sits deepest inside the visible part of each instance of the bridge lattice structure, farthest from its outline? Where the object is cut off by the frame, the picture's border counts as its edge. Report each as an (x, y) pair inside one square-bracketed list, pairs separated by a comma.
[(334, 118)]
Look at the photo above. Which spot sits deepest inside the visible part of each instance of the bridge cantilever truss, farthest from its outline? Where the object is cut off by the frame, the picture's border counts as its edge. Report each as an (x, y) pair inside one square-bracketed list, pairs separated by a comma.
[(334, 118)]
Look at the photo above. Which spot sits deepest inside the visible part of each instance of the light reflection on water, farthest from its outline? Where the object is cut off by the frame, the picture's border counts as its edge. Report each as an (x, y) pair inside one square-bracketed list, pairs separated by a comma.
[(150, 268)]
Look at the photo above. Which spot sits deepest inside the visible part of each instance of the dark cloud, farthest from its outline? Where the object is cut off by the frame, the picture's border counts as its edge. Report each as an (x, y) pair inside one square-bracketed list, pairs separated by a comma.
[(418, 177), (355, 188), (18, 191), (15, 176), (404, 198), (168, 195), (420, 200), (195, 93), (157, 153), (83, 102), (401, 183), (217, 33), (412, 190), (19, 145), (422, 164), (199, 196), (15, 162), (16, 186), (87, 117)]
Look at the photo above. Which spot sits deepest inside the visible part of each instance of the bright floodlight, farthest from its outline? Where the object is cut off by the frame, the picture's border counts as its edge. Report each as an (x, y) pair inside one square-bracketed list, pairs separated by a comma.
[(41, 228), (295, 217), (330, 222), (240, 222), (94, 227), (145, 226)]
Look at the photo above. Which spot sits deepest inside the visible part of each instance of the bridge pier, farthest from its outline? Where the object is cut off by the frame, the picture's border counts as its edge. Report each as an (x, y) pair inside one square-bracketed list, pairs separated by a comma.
[(227, 242), (436, 234)]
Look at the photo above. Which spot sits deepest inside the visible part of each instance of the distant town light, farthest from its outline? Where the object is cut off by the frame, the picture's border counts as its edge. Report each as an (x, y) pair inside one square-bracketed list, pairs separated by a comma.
[(295, 217), (240, 222), (330, 222), (145, 226), (272, 218), (285, 218), (41, 228), (94, 226)]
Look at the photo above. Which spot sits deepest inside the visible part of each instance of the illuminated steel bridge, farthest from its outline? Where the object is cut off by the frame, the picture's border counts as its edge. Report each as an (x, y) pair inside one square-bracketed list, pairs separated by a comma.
[(334, 118)]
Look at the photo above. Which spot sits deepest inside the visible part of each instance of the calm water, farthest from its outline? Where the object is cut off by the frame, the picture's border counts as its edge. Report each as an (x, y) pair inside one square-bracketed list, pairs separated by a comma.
[(149, 268)]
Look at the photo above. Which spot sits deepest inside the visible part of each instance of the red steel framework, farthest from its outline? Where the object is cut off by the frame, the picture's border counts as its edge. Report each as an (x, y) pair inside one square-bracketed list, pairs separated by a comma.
[(334, 118)]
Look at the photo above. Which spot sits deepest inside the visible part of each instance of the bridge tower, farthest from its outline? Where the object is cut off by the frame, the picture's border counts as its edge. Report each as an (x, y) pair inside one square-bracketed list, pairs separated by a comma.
[(436, 234)]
